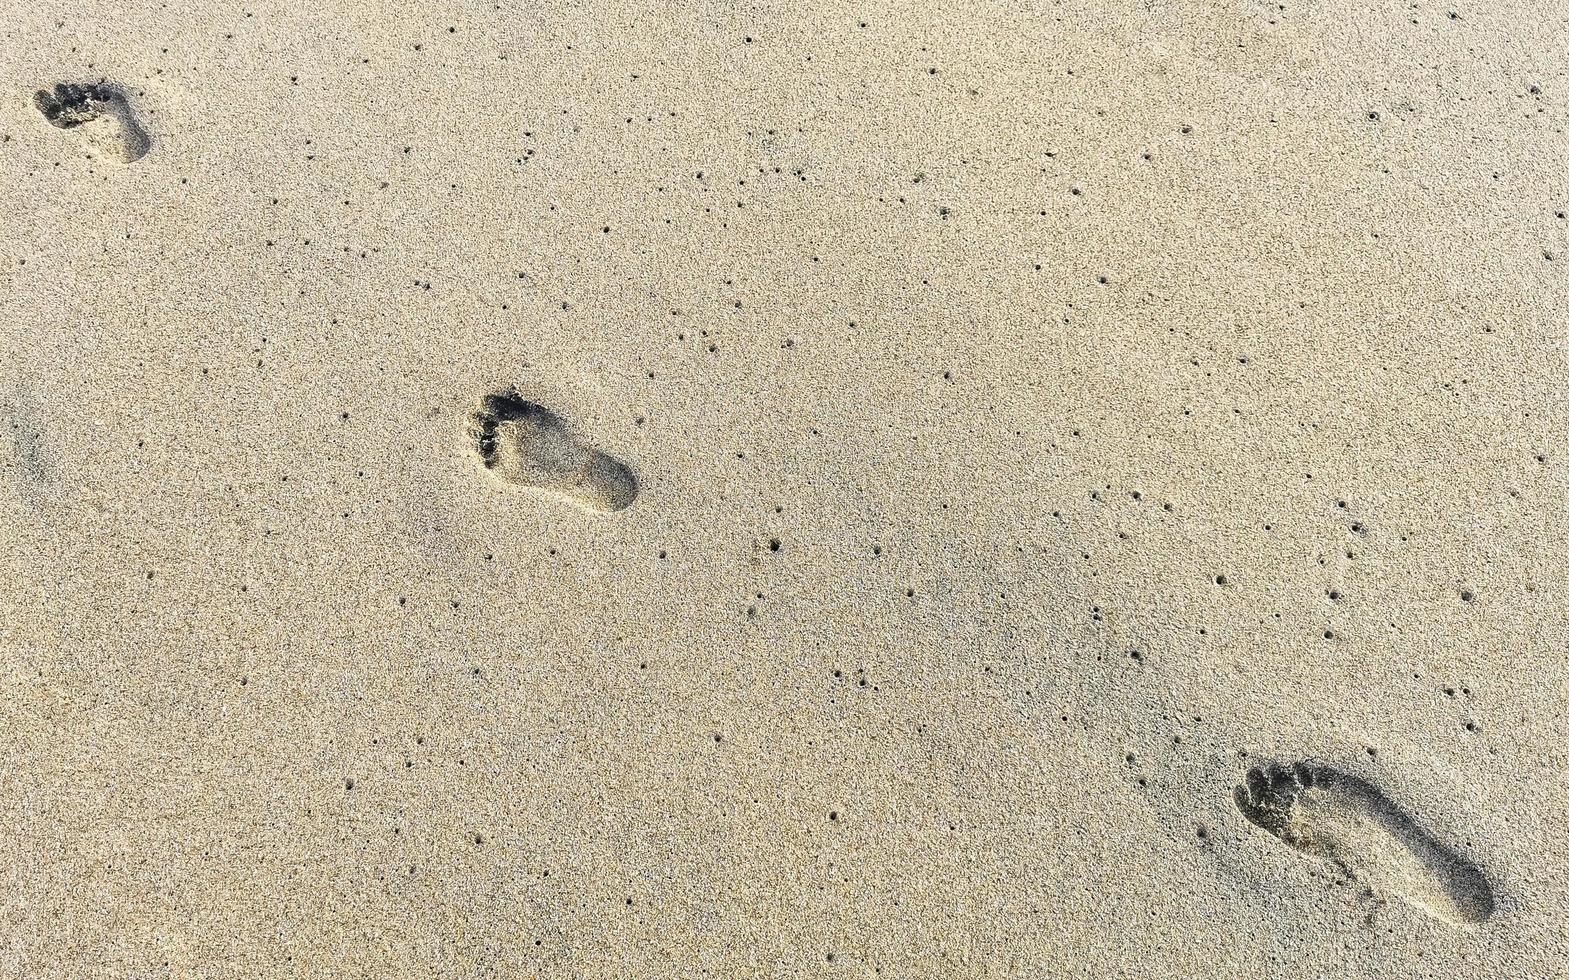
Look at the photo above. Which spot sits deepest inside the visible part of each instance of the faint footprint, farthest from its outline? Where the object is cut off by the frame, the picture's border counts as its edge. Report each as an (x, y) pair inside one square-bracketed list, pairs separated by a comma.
[(104, 113), (1347, 821), (32, 457), (530, 446)]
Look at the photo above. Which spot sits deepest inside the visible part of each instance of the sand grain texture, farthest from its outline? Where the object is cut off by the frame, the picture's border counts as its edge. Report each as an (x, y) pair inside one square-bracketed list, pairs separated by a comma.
[(966, 442)]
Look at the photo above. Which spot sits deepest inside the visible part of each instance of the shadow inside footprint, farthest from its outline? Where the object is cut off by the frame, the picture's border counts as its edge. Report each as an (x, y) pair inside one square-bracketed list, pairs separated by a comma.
[(1337, 817), (530, 446), (102, 108)]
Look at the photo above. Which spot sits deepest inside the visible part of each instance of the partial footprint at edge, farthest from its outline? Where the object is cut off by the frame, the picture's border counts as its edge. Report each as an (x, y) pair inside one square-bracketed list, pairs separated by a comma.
[(1340, 818), (530, 446), (101, 111)]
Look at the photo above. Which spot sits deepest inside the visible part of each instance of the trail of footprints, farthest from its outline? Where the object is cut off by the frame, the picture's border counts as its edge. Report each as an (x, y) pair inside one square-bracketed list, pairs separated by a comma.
[(1348, 822), (1315, 809), (529, 446), (101, 112)]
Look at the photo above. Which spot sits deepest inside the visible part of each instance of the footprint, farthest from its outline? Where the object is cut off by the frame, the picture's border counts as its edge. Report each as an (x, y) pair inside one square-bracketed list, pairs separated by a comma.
[(32, 456), (101, 108), (530, 446), (1347, 821)]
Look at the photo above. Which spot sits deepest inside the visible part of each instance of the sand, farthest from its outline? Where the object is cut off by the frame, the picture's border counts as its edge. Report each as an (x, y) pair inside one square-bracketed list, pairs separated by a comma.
[(905, 490)]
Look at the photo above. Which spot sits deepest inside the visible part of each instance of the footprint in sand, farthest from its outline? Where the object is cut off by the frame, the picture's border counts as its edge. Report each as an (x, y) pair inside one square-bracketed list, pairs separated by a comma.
[(1339, 818), (530, 446), (102, 113)]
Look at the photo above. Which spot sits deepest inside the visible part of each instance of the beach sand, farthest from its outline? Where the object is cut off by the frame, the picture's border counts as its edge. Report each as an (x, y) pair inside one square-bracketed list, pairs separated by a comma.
[(891, 489)]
